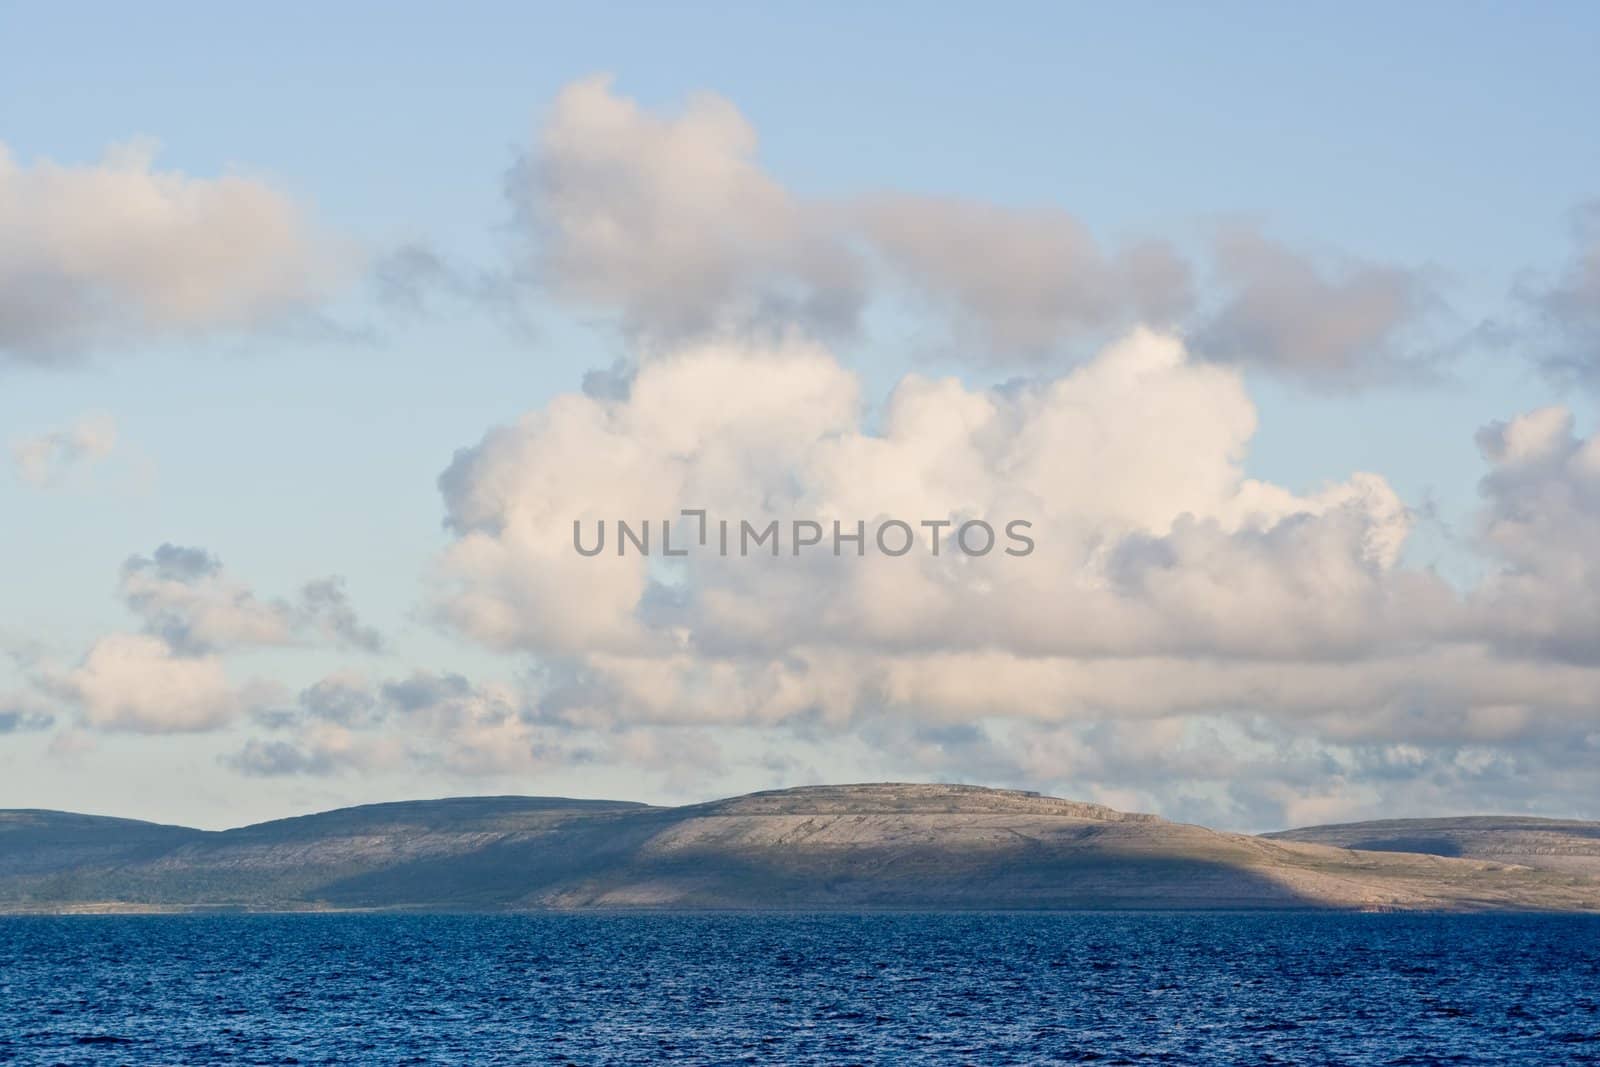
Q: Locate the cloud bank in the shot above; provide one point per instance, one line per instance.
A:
(669, 223)
(1269, 631)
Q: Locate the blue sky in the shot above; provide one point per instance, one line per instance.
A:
(1450, 140)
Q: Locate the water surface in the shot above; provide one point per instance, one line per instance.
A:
(834, 989)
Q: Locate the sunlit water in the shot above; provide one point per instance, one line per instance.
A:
(984, 989)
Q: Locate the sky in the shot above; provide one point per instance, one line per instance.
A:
(320, 328)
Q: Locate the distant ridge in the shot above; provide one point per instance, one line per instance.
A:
(1548, 844)
(845, 847)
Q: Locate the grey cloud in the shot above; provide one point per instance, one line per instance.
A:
(22, 719)
(423, 690)
(1285, 311)
(611, 384)
(184, 596)
(416, 280)
(1023, 282)
(275, 717)
(177, 563)
(444, 722)
(409, 276)
(966, 752)
(277, 759)
(345, 701)
(1541, 523)
(355, 703)
(1256, 773)
(326, 604)
(45, 319)
(1566, 308)
(1158, 280)
(668, 222)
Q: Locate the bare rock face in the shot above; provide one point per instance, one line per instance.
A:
(896, 798)
(1547, 844)
(848, 847)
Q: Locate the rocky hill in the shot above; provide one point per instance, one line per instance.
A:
(883, 846)
(1548, 844)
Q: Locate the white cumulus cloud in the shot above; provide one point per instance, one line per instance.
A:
(1151, 541)
(136, 683)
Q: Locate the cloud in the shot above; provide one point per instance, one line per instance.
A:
(415, 279)
(1154, 540)
(509, 497)
(1566, 308)
(407, 277)
(136, 683)
(325, 607)
(1260, 636)
(342, 699)
(1022, 283)
(436, 720)
(185, 597)
(1541, 523)
(45, 461)
(1153, 543)
(1283, 310)
(172, 678)
(475, 730)
(120, 252)
(670, 221)
(325, 752)
(443, 723)
(1258, 772)
(20, 712)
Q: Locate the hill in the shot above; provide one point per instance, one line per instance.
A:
(1547, 844)
(882, 846)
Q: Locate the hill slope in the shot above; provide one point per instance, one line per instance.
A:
(1548, 844)
(827, 847)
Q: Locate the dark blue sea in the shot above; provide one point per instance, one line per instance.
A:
(823, 989)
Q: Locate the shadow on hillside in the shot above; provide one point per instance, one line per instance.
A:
(1427, 846)
(613, 874)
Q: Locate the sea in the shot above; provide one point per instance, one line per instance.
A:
(989, 989)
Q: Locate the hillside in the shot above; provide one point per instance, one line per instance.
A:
(1548, 844)
(819, 848)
